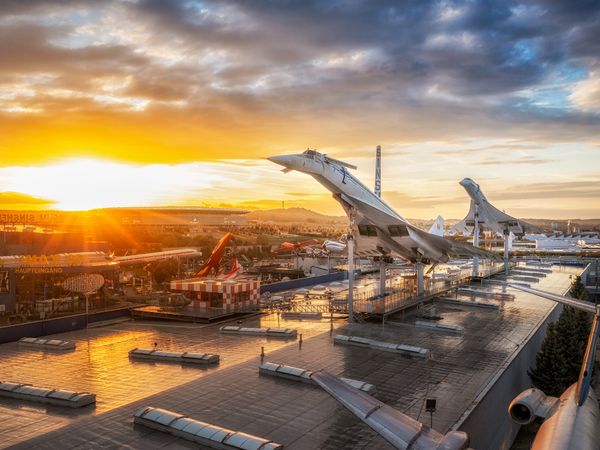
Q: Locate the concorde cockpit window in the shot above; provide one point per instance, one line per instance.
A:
(310, 153)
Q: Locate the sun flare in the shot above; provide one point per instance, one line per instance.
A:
(81, 184)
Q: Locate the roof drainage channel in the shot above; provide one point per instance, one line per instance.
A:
(403, 349)
(200, 432)
(445, 327)
(523, 278)
(287, 333)
(178, 357)
(305, 376)
(47, 344)
(488, 294)
(463, 302)
(528, 273)
(503, 283)
(533, 269)
(300, 315)
(56, 397)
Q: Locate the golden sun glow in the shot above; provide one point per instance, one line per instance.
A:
(81, 184)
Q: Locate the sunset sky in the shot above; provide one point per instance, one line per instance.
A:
(132, 103)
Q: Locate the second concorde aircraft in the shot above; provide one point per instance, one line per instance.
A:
(378, 229)
(487, 215)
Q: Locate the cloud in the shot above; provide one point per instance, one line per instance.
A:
(402, 200)
(425, 71)
(522, 160)
(588, 189)
(586, 93)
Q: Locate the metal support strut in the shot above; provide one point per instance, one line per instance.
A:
(506, 249)
(350, 245)
(420, 282)
(382, 277)
(476, 242)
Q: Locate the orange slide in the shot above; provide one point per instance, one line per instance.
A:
(212, 265)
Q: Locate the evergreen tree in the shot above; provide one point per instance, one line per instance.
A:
(571, 334)
(578, 289)
(559, 361)
(549, 371)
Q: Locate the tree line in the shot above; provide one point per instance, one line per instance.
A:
(558, 362)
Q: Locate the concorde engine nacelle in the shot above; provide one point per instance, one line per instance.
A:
(530, 404)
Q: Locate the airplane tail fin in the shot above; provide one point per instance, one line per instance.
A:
(438, 227)
(213, 263)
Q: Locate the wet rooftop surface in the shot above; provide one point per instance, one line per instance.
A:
(233, 395)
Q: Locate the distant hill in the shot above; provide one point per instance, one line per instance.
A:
(297, 215)
(303, 215)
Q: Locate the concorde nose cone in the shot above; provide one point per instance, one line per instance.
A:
(291, 162)
(282, 160)
(465, 182)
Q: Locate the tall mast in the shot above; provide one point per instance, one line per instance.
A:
(378, 171)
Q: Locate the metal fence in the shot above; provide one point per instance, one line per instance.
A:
(407, 296)
(401, 293)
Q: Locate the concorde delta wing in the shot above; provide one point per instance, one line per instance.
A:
(377, 232)
(449, 248)
(372, 239)
(465, 226)
(400, 430)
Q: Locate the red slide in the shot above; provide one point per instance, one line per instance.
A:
(213, 263)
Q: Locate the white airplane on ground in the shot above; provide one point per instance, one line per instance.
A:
(438, 227)
(487, 215)
(157, 256)
(93, 258)
(573, 420)
(334, 246)
(378, 229)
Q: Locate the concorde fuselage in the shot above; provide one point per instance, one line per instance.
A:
(474, 191)
(334, 178)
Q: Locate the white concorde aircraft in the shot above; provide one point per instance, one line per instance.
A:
(377, 228)
(488, 216)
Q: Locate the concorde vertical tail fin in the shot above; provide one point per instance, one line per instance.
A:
(438, 227)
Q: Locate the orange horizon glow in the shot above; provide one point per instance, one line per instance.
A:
(125, 103)
(81, 184)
